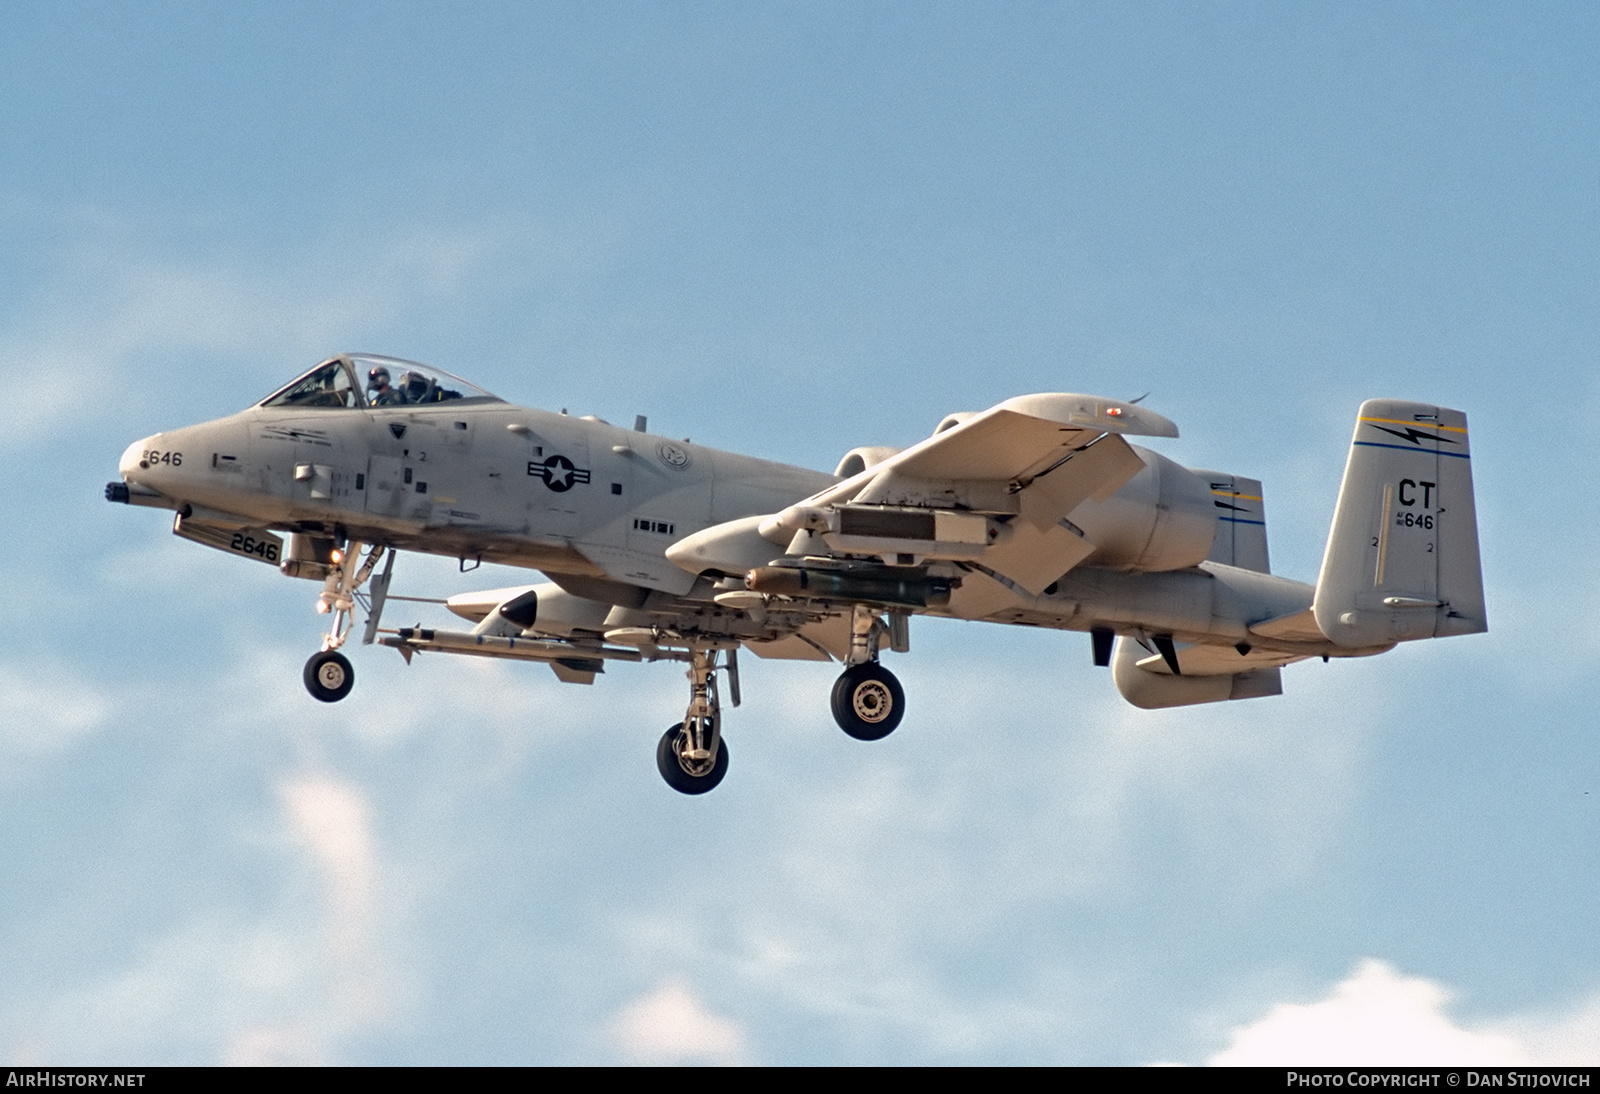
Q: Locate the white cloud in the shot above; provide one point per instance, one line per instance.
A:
(332, 820)
(46, 707)
(290, 982)
(290, 1045)
(671, 1025)
(1559, 1038)
(1379, 1017)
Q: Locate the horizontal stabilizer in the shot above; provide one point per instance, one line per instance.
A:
(1299, 627)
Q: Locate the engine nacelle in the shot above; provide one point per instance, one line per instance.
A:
(1155, 690)
(858, 460)
(1164, 518)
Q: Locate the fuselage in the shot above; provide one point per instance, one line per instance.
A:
(482, 480)
(477, 478)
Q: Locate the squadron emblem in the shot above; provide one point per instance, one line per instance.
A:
(673, 456)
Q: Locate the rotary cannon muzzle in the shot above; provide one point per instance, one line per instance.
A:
(873, 587)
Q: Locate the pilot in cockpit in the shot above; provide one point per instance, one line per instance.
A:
(379, 393)
(414, 387)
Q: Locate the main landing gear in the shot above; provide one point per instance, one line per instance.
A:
(868, 702)
(692, 756)
(329, 675)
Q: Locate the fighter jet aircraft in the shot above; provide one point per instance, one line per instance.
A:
(1036, 511)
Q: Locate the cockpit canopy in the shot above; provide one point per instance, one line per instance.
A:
(355, 380)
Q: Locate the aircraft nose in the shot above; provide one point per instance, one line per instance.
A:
(128, 466)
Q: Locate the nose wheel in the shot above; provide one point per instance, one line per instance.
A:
(868, 701)
(329, 676)
(684, 761)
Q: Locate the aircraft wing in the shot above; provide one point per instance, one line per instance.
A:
(824, 640)
(993, 488)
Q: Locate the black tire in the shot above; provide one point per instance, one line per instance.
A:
(329, 677)
(672, 770)
(868, 702)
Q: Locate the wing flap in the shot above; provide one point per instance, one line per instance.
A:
(1095, 471)
(1033, 557)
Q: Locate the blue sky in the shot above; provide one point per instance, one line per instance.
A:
(789, 230)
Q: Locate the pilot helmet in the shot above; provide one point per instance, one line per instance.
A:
(378, 377)
(414, 385)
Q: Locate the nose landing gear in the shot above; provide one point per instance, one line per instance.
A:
(692, 756)
(329, 675)
(684, 761)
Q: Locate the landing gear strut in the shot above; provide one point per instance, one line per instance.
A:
(328, 674)
(868, 702)
(692, 756)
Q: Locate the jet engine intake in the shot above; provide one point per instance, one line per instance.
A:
(858, 460)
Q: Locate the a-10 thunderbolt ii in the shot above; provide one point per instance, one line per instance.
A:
(1036, 511)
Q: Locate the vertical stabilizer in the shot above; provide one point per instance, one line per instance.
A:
(1402, 558)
